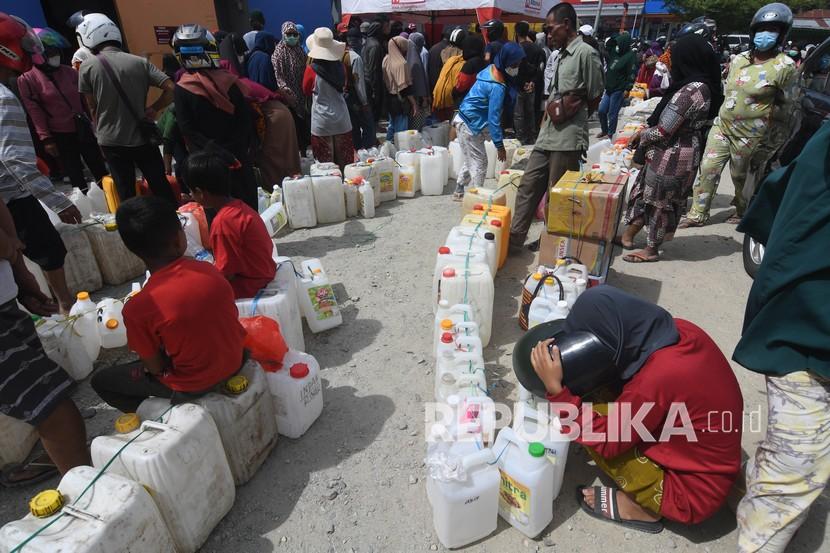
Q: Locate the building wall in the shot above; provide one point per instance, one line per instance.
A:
(311, 13)
(29, 10)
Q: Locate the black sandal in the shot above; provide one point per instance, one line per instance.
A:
(609, 512)
(41, 466)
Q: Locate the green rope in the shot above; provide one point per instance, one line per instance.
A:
(40, 530)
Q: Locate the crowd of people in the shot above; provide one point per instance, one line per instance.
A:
(237, 111)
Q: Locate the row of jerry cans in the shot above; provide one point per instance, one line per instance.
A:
(494, 166)
(459, 353)
(518, 477)
(549, 293)
(293, 294)
(425, 170)
(171, 470)
(325, 197)
(467, 263)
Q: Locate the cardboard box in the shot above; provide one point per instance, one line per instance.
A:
(589, 210)
(594, 254)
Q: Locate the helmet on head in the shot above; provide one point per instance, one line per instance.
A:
(457, 37)
(776, 13)
(51, 38)
(195, 47)
(19, 45)
(494, 28)
(710, 23)
(95, 30)
(695, 28)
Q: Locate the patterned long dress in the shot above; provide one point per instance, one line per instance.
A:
(673, 146)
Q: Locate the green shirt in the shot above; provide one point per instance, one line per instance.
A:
(758, 95)
(579, 67)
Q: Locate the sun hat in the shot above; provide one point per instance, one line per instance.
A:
(322, 46)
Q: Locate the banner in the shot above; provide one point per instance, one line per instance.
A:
(532, 8)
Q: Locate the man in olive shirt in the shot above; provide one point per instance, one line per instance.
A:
(559, 147)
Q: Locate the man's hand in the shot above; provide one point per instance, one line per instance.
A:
(37, 303)
(52, 149)
(70, 215)
(10, 247)
(150, 113)
(529, 87)
(548, 366)
(502, 154)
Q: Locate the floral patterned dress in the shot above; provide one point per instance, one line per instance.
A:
(673, 146)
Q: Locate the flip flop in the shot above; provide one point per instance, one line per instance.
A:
(733, 220)
(689, 223)
(640, 257)
(42, 469)
(608, 511)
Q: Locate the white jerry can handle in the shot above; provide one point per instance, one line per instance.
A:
(468, 357)
(485, 456)
(471, 325)
(155, 425)
(462, 308)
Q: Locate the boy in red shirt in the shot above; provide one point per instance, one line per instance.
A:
(183, 324)
(238, 237)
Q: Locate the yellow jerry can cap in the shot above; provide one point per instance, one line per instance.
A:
(46, 503)
(236, 384)
(537, 276)
(127, 423)
(110, 226)
(446, 324)
(83, 296)
(473, 190)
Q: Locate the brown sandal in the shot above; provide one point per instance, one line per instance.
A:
(640, 257)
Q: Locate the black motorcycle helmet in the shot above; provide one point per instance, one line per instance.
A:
(494, 29)
(776, 13)
(695, 28)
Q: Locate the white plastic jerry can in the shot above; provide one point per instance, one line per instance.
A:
(444, 154)
(85, 323)
(275, 218)
(458, 313)
(297, 392)
(64, 346)
(544, 309)
(317, 300)
(328, 199)
(492, 157)
(432, 173)
(407, 140)
(324, 168)
(527, 482)
(97, 199)
(352, 196)
(464, 508)
(465, 238)
(80, 200)
(533, 425)
(448, 256)
(411, 159)
(471, 284)
(111, 329)
(387, 175)
(406, 181)
(115, 514)
(180, 460)
(17, 439)
(299, 202)
(465, 377)
(279, 302)
(244, 415)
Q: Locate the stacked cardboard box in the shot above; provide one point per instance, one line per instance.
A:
(583, 215)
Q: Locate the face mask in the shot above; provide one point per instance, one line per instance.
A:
(54, 61)
(241, 58)
(824, 63)
(792, 53)
(292, 40)
(765, 40)
(512, 71)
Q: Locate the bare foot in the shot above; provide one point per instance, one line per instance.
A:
(628, 508)
(627, 238)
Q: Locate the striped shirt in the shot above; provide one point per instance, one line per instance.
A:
(19, 175)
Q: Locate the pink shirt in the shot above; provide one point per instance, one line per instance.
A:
(46, 107)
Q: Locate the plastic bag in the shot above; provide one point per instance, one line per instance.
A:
(264, 341)
(197, 217)
(388, 149)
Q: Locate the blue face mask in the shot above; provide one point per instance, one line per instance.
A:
(824, 62)
(765, 40)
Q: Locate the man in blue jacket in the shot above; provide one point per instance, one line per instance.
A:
(482, 108)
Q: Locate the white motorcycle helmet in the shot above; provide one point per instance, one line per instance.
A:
(96, 29)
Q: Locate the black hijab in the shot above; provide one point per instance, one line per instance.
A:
(232, 46)
(332, 72)
(692, 61)
(631, 327)
(473, 54)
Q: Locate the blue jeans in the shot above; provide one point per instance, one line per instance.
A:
(397, 123)
(609, 109)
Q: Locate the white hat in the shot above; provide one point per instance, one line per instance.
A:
(322, 46)
(586, 30)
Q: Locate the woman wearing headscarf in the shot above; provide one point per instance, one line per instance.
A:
(672, 145)
(259, 67)
(473, 53)
(444, 101)
(397, 76)
(289, 61)
(325, 82)
(482, 108)
(212, 112)
(278, 155)
(671, 440)
(49, 92)
(420, 88)
(420, 46)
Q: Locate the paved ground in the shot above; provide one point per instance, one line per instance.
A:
(368, 446)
